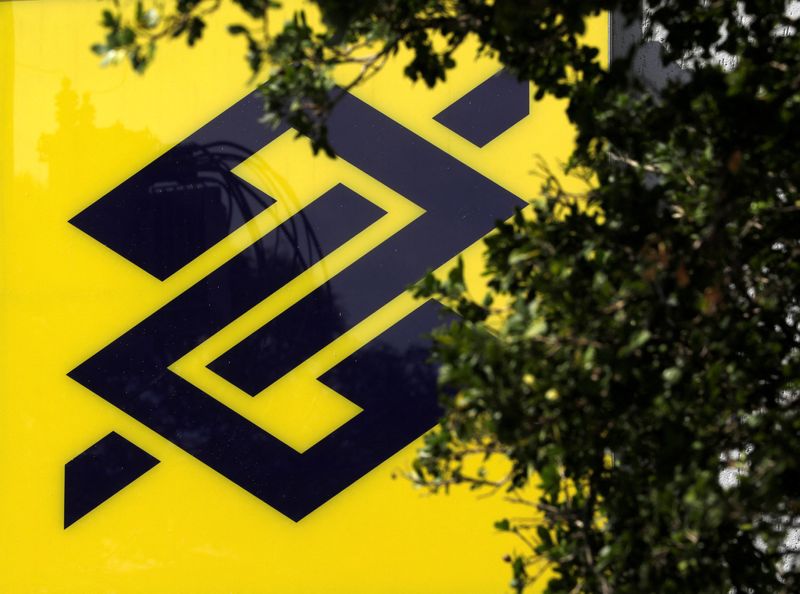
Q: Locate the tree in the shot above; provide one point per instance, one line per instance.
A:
(637, 355)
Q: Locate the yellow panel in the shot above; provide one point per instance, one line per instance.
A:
(71, 132)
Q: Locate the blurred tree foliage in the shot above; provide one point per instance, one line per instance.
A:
(637, 355)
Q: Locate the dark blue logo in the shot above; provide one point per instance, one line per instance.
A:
(187, 200)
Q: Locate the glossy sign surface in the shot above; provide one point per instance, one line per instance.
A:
(211, 365)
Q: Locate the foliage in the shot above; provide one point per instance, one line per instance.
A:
(637, 355)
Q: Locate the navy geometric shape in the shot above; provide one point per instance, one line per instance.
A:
(460, 207)
(100, 472)
(489, 109)
(186, 200)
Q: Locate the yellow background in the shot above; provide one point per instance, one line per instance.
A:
(71, 131)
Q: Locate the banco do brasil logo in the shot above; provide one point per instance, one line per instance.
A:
(187, 200)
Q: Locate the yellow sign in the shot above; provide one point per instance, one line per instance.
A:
(211, 368)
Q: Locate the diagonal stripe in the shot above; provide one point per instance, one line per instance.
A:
(101, 472)
(489, 109)
(187, 200)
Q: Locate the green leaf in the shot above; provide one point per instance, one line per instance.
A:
(196, 27)
(672, 375)
(544, 536)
